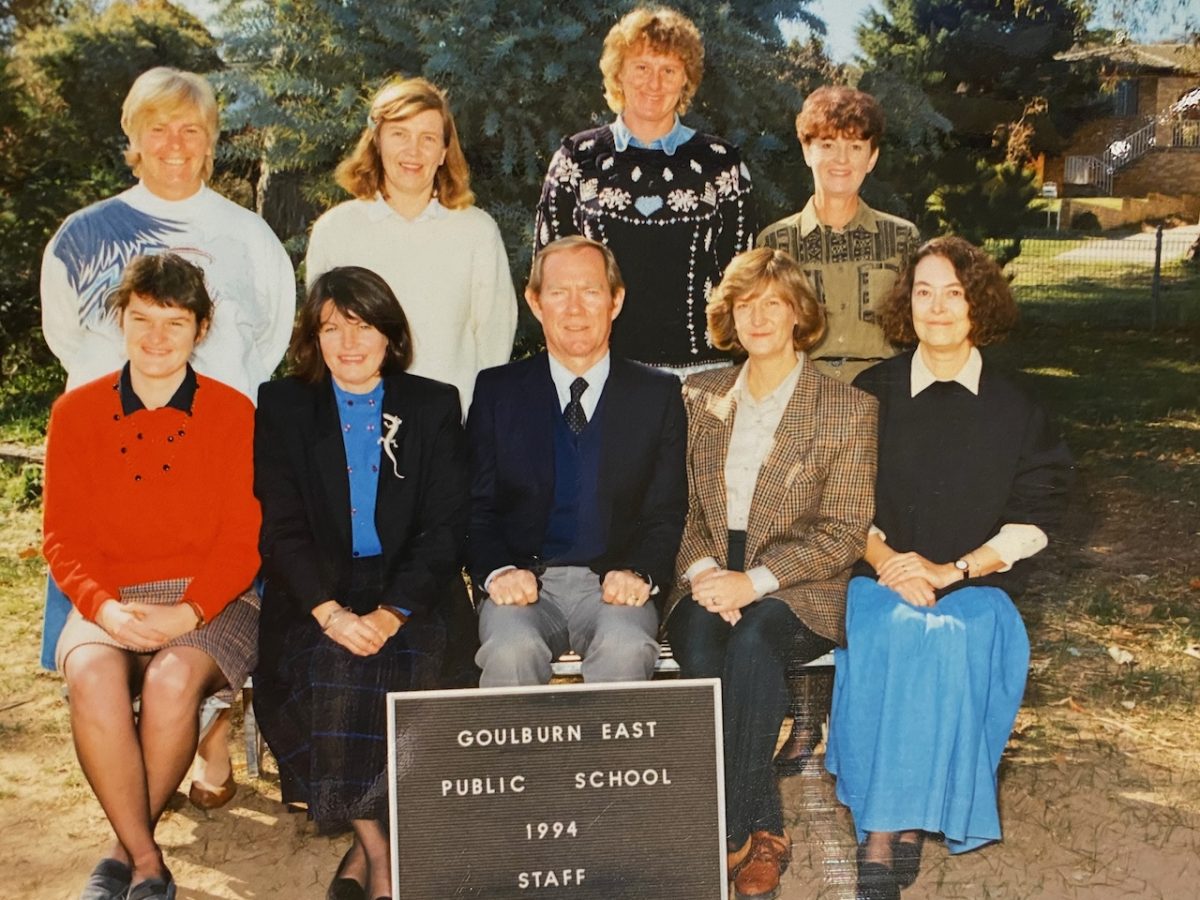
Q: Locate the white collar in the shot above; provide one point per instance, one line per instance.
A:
(968, 376)
(379, 210)
(596, 377)
(782, 393)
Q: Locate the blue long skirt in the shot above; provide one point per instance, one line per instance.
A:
(924, 700)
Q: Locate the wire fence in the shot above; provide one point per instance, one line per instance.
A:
(1144, 281)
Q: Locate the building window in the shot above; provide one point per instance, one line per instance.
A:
(1125, 98)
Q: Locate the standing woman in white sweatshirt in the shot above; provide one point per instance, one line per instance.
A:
(415, 224)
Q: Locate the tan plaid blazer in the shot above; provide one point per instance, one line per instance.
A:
(814, 499)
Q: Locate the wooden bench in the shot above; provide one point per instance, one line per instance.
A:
(569, 665)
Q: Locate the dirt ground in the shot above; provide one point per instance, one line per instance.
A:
(1100, 786)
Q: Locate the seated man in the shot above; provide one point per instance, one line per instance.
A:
(578, 490)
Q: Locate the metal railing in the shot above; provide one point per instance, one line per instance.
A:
(1140, 280)
(1185, 133)
(1089, 170)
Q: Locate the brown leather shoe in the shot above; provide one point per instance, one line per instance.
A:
(735, 858)
(758, 878)
(203, 798)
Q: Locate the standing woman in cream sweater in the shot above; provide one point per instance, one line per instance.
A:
(414, 223)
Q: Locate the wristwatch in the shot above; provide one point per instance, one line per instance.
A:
(963, 566)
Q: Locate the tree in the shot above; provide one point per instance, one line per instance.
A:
(520, 76)
(997, 204)
(981, 81)
(61, 146)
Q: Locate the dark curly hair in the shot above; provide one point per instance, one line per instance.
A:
(990, 303)
(357, 293)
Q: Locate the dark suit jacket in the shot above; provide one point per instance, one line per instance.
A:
(642, 486)
(300, 479)
(813, 500)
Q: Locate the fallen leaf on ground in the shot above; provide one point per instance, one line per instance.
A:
(1192, 650)
(1141, 610)
(1120, 656)
(1129, 704)
(28, 553)
(1194, 584)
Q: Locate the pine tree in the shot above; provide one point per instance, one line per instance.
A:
(979, 83)
(520, 75)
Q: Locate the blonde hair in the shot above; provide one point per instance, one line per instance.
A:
(361, 173)
(659, 30)
(166, 91)
(752, 273)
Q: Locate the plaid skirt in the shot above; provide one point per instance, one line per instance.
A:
(231, 638)
(323, 710)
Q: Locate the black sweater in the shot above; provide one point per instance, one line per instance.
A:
(673, 222)
(954, 466)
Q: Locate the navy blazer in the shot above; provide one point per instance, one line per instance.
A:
(300, 479)
(642, 485)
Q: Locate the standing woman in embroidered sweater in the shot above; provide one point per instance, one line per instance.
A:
(157, 564)
(672, 204)
(361, 471)
(413, 222)
(971, 477)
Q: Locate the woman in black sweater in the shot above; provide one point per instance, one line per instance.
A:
(970, 479)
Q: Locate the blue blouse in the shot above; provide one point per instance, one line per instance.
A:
(361, 416)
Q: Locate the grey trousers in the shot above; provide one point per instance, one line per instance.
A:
(518, 643)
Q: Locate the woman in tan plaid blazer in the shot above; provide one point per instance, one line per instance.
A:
(781, 472)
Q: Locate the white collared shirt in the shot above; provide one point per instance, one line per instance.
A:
(596, 377)
(968, 376)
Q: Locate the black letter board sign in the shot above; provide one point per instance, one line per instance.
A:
(592, 792)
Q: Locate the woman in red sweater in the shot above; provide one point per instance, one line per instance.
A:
(151, 530)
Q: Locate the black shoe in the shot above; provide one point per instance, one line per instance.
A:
(906, 860)
(153, 889)
(342, 888)
(790, 762)
(875, 880)
(108, 881)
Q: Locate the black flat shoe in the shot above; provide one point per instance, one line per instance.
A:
(906, 861)
(108, 881)
(790, 762)
(875, 880)
(153, 889)
(342, 888)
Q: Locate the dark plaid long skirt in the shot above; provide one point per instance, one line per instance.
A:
(322, 710)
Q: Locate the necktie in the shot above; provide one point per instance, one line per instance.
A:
(575, 416)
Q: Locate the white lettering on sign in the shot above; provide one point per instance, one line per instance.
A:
(551, 878)
(481, 787)
(527, 734)
(616, 778)
(634, 730)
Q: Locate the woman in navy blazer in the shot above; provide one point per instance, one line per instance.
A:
(360, 469)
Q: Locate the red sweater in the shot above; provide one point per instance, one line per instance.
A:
(154, 495)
